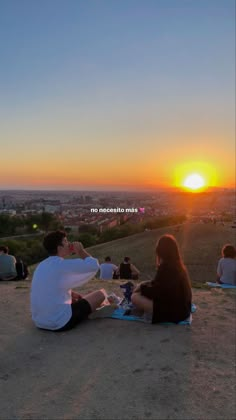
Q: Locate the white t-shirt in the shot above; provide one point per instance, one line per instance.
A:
(7, 266)
(51, 289)
(107, 270)
(227, 270)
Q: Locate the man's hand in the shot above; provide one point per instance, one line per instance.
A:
(75, 297)
(77, 247)
(79, 250)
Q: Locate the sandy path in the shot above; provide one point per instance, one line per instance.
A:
(110, 369)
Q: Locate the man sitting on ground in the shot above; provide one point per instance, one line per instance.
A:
(54, 306)
(107, 269)
(127, 270)
(7, 265)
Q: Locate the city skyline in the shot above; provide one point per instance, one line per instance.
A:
(107, 95)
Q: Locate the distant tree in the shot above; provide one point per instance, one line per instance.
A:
(86, 228)
(49, 222)
(35, 252)
(6, 225)
(30, 250)
(44, 221)
(31, 221)
(87, 239)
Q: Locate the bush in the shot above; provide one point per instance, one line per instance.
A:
(31, 251)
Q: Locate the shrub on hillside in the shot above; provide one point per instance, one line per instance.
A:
(31, 250)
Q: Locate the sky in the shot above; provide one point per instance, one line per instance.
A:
(107, 94)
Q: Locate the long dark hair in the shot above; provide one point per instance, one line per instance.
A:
(167, 250)
(228, 251)
(168, 253)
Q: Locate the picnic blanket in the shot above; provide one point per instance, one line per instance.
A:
(119, 313)
(222, 286)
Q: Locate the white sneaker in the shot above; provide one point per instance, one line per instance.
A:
(104, 312)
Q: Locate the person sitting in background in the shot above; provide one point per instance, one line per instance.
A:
(168, 297)
(53, 304)
(107, 269)
(21, 269)
(226, 269)
(127, 270)
(7, 265)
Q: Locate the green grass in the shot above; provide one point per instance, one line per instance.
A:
(200, 246)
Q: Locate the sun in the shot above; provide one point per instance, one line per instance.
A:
(195, 176)
(194, 182)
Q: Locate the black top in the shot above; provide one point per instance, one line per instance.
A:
(125, 271)
(171, 294)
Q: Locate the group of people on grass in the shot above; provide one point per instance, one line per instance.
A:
(125, 271)
(167, 298)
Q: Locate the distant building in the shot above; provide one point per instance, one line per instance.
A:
(49, 208)
(106, 224)
(8, 212)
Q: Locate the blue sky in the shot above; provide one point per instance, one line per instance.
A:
(129, 79)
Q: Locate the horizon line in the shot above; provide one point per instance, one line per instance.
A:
(116, 190)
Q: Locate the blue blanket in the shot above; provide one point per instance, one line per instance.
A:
(222, 286)
(119, 314)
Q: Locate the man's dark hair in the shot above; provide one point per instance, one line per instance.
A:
(4, 249)
(126, 259)
(108, 259)
(228, 251)
(52, 240)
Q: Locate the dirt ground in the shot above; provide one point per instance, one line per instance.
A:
(112, 369)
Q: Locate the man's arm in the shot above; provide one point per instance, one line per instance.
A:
(117, 270)
(134, 269)
(79, 270)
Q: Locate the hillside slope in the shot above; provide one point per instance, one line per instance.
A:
(200, 245)
(112, 369)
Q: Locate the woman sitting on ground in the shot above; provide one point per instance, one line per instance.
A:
(226, 270)
(168, 297)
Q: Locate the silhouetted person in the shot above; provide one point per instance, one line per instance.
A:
(127, 270)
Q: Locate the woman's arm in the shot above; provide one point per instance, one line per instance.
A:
(137, 288)
(152, 288)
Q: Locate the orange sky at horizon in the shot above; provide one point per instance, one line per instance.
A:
(108, 97)
(55, 156)
(139, 174)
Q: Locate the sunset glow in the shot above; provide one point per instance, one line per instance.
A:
(196, 176)
(194, 182)
(87, 113)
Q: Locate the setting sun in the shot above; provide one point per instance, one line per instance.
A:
(194, 182)
(195, 176)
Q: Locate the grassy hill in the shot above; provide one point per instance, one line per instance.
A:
(200, 245)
